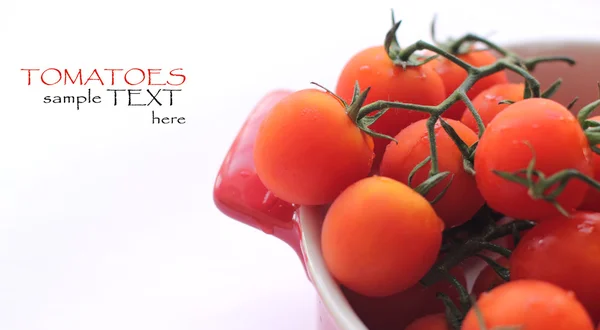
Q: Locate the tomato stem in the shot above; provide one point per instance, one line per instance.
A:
(497, 249)
(463, 294)
(538, 184)
(509, 61)
(502, 272)
(552, 89)
(478, 242)
(572, 103)
(474, 112)
(454, 316)
(530, 64)
(472, 38)
(432, 144)
(586, 111)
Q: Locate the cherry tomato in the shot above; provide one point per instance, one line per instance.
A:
(453, 76)
(564, 251)
(371, 242)
(430, 322)
(373, 68)
(398, 311)
(591, 201)
(487, 103)
(308, 150)
(462, 199)
(559, 144)
(488, 278)
(531, 305)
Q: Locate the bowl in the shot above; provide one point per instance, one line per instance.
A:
(239, 193)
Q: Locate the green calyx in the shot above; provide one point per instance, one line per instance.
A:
(590, 127)
(541, 187)
(353, 110)
(394, 51)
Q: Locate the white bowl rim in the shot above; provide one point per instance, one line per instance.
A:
(329, 291)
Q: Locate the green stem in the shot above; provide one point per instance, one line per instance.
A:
(462, 291)
(432, 145)
(497, 248)
(474, 112)
(474, 245)
(380, 105)
(530, 64)
(533, 83)
(569, 174)
(454, 48)
(422, 45)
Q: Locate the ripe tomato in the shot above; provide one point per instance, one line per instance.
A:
(370, 236)
(488, 278)
(399, 310)
(462, 199)
(297, 142)
(453, 76)
(430, 322)
(564, 251)
(487, 101)
(591, 201)
(503, 147)
(373, 68)
(531, 305)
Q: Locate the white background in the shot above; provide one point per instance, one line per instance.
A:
(107, 221)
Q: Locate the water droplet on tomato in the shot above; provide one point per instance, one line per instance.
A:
(535, 126)
(245, 173)
(364, 68)
(586, 228)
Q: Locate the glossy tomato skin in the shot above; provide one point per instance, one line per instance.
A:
(462, 199)
(564, 251)
(591, 201)
(308, 150)
(487, 103)
(430, 322)
(453, 76)
(533, 305)
(559, 144)
(370, 234)
(373, 68)
(488, 278)
(399, 310)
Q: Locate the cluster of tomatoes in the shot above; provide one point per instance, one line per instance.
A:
(395, 182)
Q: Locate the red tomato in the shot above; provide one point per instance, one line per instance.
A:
(373, 68)
(559, 143)
(430, 322)
(564, 251)
(487, 101)
(531, 305)
(308, 150)
(592, 198)
(453, 76)
(369, 237)
(399, 310)
(462, 199)
(488, 278)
